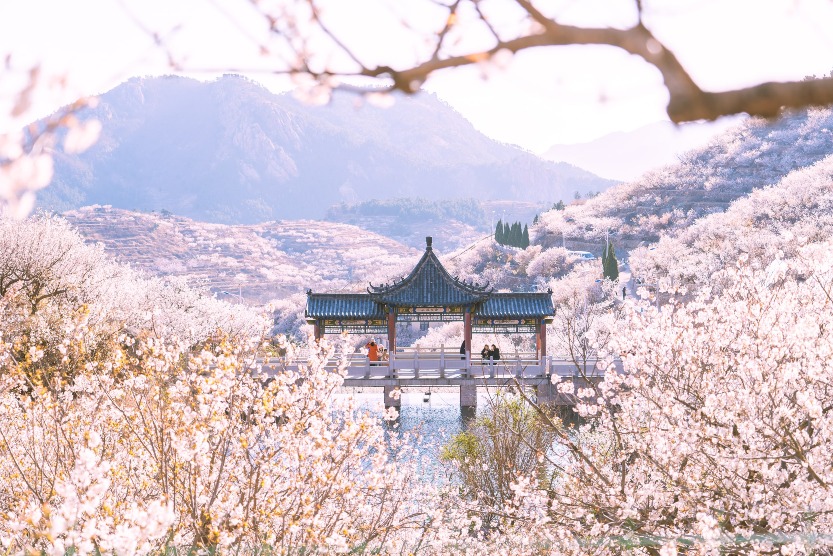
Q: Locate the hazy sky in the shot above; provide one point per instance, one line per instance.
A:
(555, 95)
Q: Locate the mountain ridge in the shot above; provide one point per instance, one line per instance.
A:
(626, 155)
(231, 151)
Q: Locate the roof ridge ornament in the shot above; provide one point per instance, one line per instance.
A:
(430, 281)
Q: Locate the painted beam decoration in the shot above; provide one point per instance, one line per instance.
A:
(519, 325)
(355, 326)
(430, 314)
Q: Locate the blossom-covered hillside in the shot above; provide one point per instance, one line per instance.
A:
(751, 156)
(771, 224)
(258, 262)
(278, 262)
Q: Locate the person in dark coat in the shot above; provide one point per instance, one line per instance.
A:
(494, 353)
(463, 350)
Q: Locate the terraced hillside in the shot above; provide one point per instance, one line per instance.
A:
(258, 262)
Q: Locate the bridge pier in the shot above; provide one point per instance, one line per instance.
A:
(548, 394)
(468, 393)
(390, 402)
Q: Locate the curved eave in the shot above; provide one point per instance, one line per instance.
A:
(342, 306)
(517, 305)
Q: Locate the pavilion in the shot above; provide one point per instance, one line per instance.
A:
(430, 294)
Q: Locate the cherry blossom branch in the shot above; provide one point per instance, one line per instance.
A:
(687, 101)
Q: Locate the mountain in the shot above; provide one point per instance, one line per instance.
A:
(231, 151)
(626, 155)
(665, 201)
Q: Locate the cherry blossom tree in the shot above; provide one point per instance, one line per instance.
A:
(714, 437)
(51, 281)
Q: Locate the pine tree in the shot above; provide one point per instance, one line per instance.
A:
(507, 234)
(525, 237)
(499, 232)
(610, 266)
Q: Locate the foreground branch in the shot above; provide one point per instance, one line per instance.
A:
(687, 101)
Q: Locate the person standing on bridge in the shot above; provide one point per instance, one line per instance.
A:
(484, 353)
(494, 354)
(372, 351)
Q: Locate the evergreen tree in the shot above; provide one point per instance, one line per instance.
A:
(559, 205)
(512, 235)
(499, 232)
(515, 235)
(535, 220)
(610, 266)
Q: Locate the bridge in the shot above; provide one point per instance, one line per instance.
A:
(429, 294)
(442, 366)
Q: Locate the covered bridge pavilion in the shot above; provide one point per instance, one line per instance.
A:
(430, 294)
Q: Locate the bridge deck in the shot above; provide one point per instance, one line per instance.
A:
(438, 367)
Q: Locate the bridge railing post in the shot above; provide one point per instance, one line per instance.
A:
(416, 362)
(391, 362)
(442, 360)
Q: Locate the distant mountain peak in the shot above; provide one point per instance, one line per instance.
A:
(626, 155)
(231, 151)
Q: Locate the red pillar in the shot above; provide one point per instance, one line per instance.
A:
(391, 330)
(542, 339)
(467, 330)
(538, 341)
(318, 330)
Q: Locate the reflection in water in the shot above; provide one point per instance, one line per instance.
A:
(433, 419)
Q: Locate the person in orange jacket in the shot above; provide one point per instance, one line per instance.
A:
(372, 350)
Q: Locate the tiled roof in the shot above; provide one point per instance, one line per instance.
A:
(504, 305)
(429, 284)
(342, 306)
